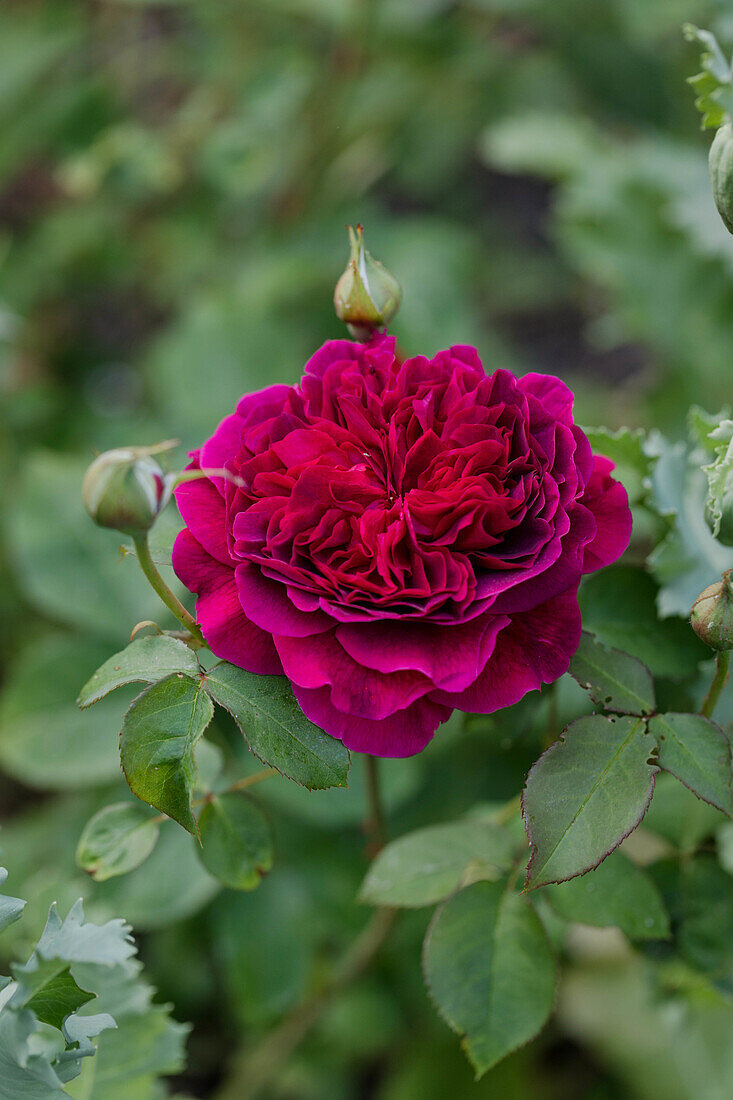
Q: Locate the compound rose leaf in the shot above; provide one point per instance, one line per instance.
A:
(585, 794)
(275, 727)
(698, 753)
(146, 659)
(157, 742)
(614, 680)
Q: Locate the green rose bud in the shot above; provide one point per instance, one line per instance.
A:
(126, 489)
(712, 614)
(366, 296)
(720, 161)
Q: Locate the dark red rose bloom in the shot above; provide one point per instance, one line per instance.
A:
(409, 538)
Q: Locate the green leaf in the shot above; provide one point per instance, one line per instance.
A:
(10, 908)
(688, 558)
(45, 741)
(427, 865)
(69, 569)
(57, 998)
(490, 971)
(585, 794)
(615, 893)
(626, 449)
(719, 473)
(146, 659)
(276, 729)
(117, 840)
(698, 753)
(615, 680)
(619, 606)
(157, 742)
(679, 816)
(236, 841)
(713, 84)
(25, 1074)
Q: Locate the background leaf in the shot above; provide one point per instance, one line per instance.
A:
(425, 866)
(117, 840)
(490, 970)
(614, 893)
(236, 841)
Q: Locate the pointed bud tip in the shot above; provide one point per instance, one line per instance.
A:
(712, 614)
(367, 296)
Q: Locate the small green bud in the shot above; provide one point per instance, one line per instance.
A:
(366, 296)
(720, 161)
(126, 489)
(712, 614)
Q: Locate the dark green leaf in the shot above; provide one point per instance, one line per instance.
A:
(236, 841)
(146, 659)
(679, 816)
(615, 680)
(58, 998)
(117, 840)
(698, 753)
(275, 727)
(425, 866)
(490, 970)
(615, 893)
(619, 606)
(585, 794)
(157, 742)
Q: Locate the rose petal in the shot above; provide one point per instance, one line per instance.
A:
(403, 733)
(608, 501)
(228, 633)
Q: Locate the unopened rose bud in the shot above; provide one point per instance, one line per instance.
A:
(126, 489)
(712, 614)
(720, 161)
(366, 296)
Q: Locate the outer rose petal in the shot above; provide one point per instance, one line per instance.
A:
(266, 603)
(359, 691)
(402, 734)
(554, 395)
(535, 650)
(609, 503)
(203, 511)
(450, 656)
(224, 445)
(228, 633)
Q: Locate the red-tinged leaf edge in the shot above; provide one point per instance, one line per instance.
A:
(527, 888)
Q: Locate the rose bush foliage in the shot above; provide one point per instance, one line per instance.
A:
(400, 538)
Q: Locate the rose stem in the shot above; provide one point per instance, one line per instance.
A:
(721, 675)
(374, 824)
(142, 549)
(252, 1072)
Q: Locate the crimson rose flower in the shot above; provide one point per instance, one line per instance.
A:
(406, 538)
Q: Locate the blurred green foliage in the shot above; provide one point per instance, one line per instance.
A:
(175, 178)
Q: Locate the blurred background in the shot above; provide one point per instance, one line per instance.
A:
(175, 179)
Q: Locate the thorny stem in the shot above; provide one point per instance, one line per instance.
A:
(253, 1071)
(374, 823)
(721, 675)
(142, 549)
(240, 785)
